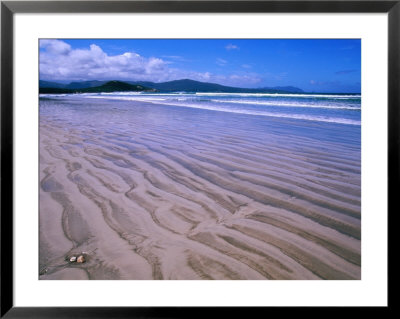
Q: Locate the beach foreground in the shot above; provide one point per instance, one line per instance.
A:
(153, 191)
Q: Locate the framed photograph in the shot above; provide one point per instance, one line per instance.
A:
(163, 155)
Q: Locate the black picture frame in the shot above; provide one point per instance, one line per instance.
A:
(9, 8)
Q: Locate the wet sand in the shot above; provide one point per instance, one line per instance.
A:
(157, 192)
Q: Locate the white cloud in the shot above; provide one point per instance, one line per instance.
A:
(58, 61)
(221, 62)
(174, 57)
(55, 46)
(231, 47)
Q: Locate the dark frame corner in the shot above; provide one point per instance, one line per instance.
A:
(9, 8)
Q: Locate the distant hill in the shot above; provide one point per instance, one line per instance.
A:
(187, 85)
(291, 89)
(115, 86)
(84, 84)
(184, 85)
(110, 86)
(48, 84)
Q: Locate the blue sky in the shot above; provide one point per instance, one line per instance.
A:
(313, 65)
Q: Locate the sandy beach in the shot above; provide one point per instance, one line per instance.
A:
(151, 191)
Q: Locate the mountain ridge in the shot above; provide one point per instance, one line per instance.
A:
(183, 85)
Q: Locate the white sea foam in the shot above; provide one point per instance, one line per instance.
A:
(128, 98)
(133, 93)
(217, 105)
(120, 93)
(249, 102)
(237, 111)
(52, 95)
(270, 114)
(351, 96)
(293, 104)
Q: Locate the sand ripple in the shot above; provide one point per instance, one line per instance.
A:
(168, 204)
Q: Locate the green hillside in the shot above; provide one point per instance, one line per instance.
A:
(111, 86)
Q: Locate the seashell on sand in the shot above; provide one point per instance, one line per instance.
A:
(80, 259)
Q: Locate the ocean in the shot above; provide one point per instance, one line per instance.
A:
(335, 108)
